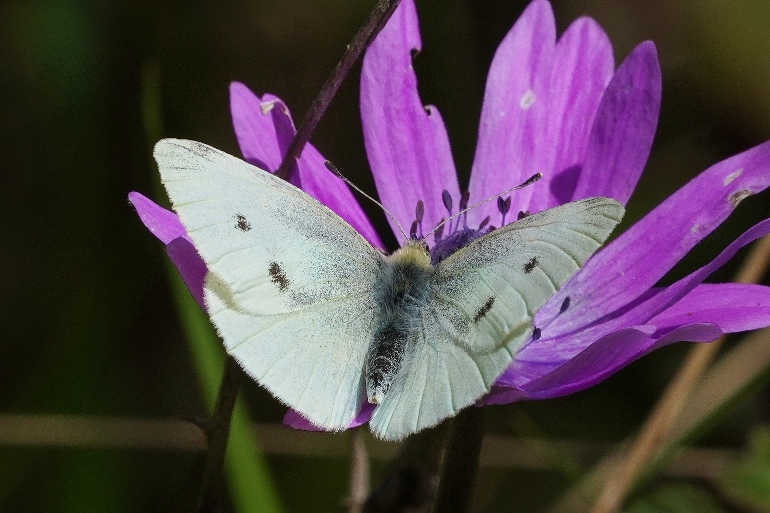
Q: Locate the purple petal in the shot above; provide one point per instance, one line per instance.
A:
(502, 394)
(264, 129)
(406, 143)
(165, 226)
(297, 421)
(190, 266)
(631, 264)
(526, 369)
(597, 362)
(608, 355)
(731, 306)
(583, 66)
(321, 183)
(557, 348)
(621, 137)
(514, 115)
(162, 223)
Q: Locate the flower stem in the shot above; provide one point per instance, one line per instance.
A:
(653, 433)
(461, 462)
(366, 34)
(217, 434)
(409, 484)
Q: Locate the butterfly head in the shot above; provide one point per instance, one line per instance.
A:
(414, 252)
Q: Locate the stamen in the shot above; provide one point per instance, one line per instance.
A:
(439, 231)
(522, 214)
(447, 199)
(503, 205)
(484, 222)
(463, 206)
(536, 334)
(413, 231)
(418, 213)
(565, 305)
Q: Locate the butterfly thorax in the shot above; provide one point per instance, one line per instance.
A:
(401, 290)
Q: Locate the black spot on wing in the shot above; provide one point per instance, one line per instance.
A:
(484, 310)
(241, 223)
(530, 266)
(278, 276)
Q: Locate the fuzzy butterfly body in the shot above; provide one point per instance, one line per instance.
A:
(325, 322)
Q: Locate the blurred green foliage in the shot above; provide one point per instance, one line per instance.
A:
(748, 480)
(676, 498)
(88, 320)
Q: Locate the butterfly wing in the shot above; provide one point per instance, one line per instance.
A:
(481, 307)
(289, 285)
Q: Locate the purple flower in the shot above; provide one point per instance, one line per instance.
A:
(555, 107)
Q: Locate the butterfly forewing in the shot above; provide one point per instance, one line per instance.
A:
(277, 248)
(494, 286)
(290, 283)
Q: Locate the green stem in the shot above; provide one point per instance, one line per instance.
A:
(461, 462)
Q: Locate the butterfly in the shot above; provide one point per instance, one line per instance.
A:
(325, 322)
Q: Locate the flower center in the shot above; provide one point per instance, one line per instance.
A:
(452, 232)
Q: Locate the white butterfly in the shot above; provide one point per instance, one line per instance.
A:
(324, 321)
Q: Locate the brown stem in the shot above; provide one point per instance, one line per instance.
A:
(361, 41)
(461, 462)
(217, 434)
(656, 427)
(410, 481)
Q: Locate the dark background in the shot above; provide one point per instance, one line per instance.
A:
(88, 325)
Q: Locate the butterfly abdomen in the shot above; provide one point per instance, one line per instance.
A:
(401, 291)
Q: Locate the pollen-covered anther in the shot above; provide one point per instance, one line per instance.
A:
(527, 99)
(266, 107)
(738, 196)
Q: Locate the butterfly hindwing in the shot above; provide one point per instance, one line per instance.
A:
(289, 285)
(311, 360)
(480, 311)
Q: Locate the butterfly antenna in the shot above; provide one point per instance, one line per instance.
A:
(336, 172)
(529, 181)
